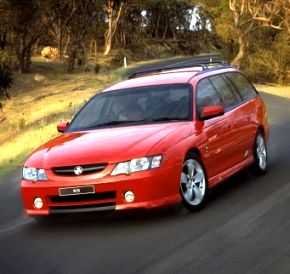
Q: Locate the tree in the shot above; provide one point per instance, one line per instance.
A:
(83, 16)
(168, 18)
(114, 10)
(248, 15)
(28, 23)
(62, 14)
(4, 25)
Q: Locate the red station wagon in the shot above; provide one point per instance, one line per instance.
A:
(158, 138)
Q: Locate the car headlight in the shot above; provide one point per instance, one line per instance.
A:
(139, 164)
(34, 174)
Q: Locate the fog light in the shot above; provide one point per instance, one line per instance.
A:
(38, 203)
(129, 196)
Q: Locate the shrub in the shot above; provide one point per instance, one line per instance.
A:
(260, 67)
(271, 63)
(22, 123)
(282, 57)
(6, 79)
(97, 68)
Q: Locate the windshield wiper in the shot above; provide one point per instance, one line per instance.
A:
(113, 123)
(161, 119)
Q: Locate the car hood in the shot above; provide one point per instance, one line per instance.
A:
(109, 145)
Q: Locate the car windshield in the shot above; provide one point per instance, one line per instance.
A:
(151, 104)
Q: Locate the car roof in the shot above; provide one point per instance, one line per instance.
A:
(177, 76)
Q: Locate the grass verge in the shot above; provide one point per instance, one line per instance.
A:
(30, 117)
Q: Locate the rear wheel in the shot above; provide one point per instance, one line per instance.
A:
(193, 183)
(260, 154)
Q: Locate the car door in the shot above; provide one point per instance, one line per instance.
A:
(249, 108)
(215, 131)
(237, 119)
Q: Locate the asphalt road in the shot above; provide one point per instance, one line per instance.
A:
(245, 227)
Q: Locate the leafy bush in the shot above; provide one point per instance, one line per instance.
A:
(260, 67)
(97, 68)
(282, 56)
(270, 64)
(6, 79)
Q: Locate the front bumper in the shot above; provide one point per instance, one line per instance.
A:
(152, 188)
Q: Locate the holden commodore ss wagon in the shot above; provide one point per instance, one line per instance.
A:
(158, 138)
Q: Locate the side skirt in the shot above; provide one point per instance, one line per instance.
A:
(229, 172)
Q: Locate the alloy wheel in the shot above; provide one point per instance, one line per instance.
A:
(193, 182)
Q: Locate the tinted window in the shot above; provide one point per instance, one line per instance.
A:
(206, 95)
(227, 96)
(233, 88)
(134, 106)
(245, 88)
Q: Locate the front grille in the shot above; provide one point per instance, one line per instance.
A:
(83, 208)
(84, 197)
(86, 169)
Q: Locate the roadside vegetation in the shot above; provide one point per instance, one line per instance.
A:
(38, 102)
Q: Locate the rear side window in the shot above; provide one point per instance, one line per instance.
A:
(228, 98)
(244, 87)
(206, 95)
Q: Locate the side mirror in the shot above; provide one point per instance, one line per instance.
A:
(61, 127)
(211, 112)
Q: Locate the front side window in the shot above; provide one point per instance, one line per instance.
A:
(227, 96)
(149, 104)
(206, 95)
(244, 87)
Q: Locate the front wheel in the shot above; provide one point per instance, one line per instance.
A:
(193, 183)
(260, 154)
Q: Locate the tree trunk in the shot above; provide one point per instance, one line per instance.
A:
(27, 61)
(94, 50)
(84, 55)
(3, 40)
(36, 47)
(165, 31)
(157, 27)
(60, 46)
(112, 24)
(24, 59)
(174, 34)
(72, 58)
(242, 51)
(108, 35)
(66, 45)
(108, 44)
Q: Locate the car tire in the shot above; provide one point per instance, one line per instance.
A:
(260, 154)
(193, 183)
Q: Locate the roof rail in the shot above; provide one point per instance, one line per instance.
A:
(203, 61)
(225, 66)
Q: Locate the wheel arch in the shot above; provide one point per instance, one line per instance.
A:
(195, 151)
(261, 129)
